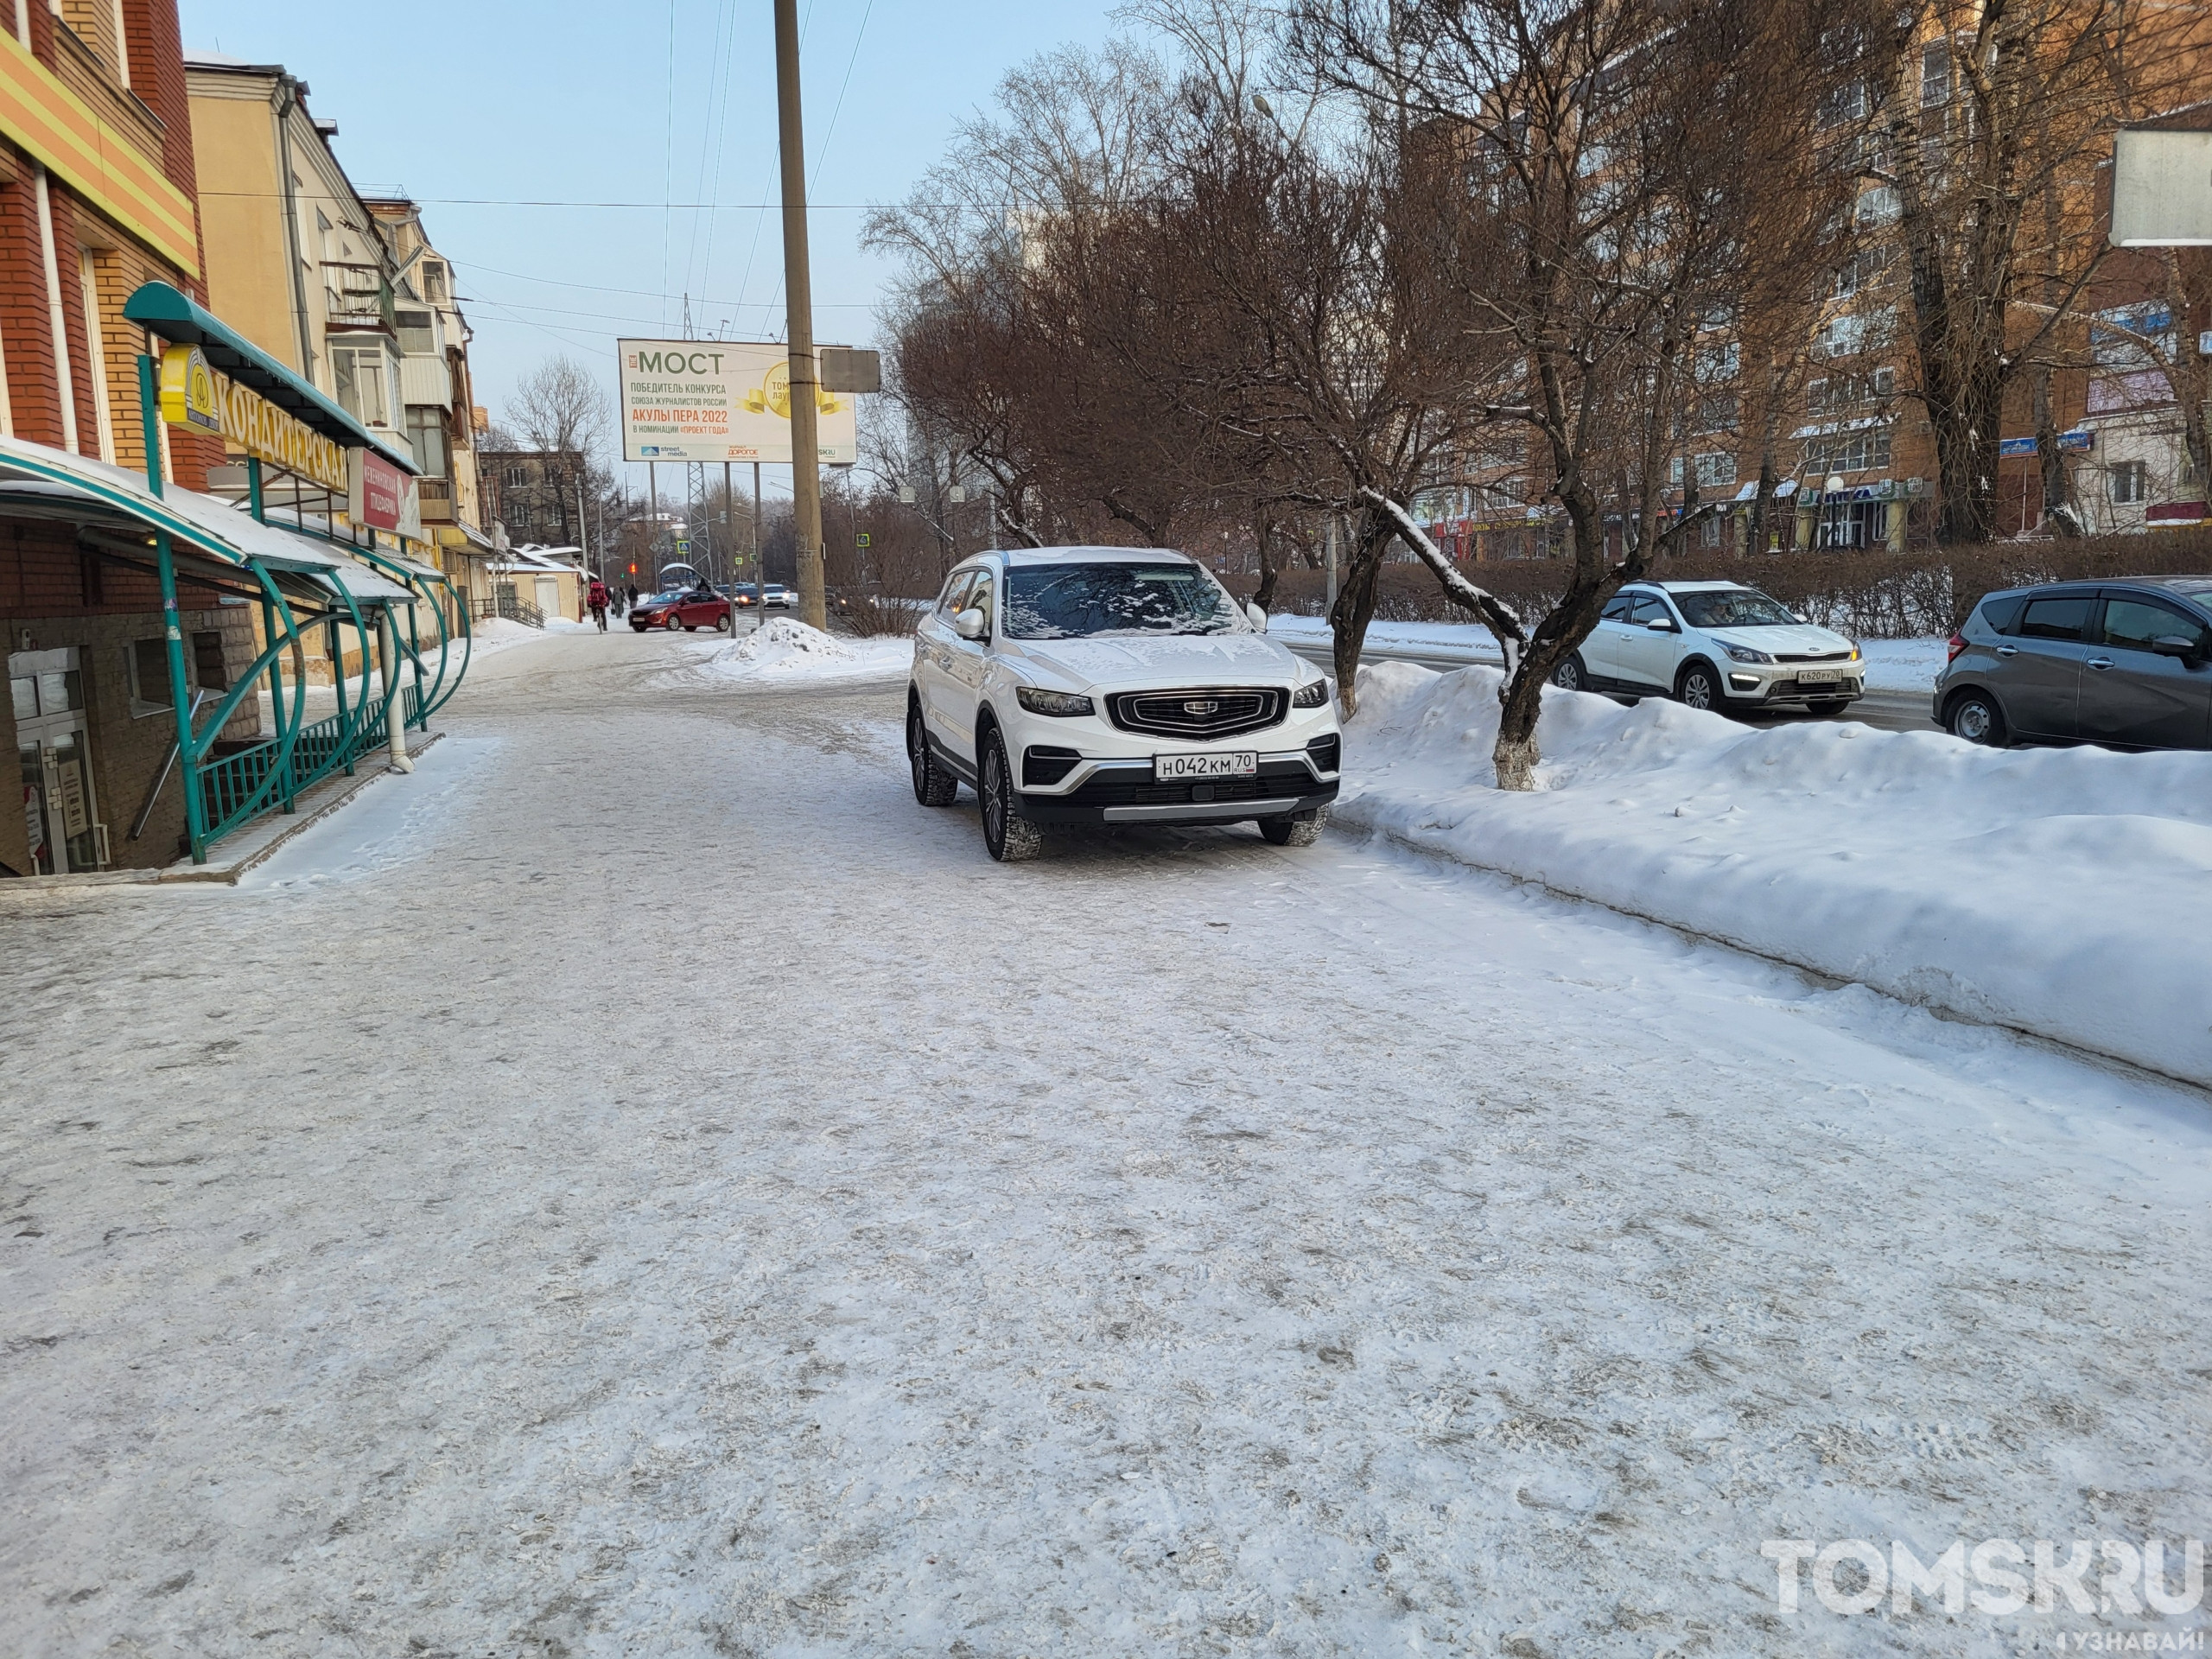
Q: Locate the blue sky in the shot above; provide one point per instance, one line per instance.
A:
(504, 101)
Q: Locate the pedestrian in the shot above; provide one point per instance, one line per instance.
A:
(632, 591)
(598, 601)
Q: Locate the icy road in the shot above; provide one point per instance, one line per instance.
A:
(644, 1187)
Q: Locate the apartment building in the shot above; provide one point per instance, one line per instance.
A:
(443, 421)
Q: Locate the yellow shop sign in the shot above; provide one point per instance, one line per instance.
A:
(196, 397)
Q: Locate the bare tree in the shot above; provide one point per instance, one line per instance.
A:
(560, 411)
(1601, 163)
(1996, 117)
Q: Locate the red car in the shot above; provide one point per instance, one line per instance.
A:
(695, 609)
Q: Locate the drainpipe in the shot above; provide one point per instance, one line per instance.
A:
(395, 707)
(62, 379)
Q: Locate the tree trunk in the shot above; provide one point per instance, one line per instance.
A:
(1965, 460)
(2058, 509)
(1264, 596)
(1355, 606)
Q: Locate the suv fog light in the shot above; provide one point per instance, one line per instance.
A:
(1744, 682)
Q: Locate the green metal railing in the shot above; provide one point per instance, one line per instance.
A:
(224, 791)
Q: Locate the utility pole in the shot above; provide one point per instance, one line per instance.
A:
(798, 301)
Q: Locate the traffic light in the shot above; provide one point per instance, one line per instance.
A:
(634, 567)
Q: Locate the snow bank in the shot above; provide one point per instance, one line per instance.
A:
(785, 651)
(2064, 892)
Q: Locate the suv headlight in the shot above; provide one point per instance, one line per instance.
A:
(1745, 654)
(1311, 696)
(1037, 701)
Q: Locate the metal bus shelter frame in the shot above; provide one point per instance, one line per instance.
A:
(224, 791)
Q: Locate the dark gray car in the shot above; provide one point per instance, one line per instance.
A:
(2125, 664)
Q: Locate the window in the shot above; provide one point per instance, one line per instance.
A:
(1649, 608)
(1877, 206)
(426, 432)
(1934, 73)
(1865, 450)
(1839, 394)
(359, 373)
(150, 678)
(1618, 607)
(2056, 619)
(1844, 103)
(1715, 469)
(418, 333)
(1717, 413)
(2130, 483)
(955, 592)
(517, 475)
(2134, 624)
(1717, 364)
(2136, 332)
(434, 281)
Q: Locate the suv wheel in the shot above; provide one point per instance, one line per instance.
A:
(1700, 687)
(933, 784)
(1568, 675)
(1295, 829)
(1974, 717)
(1008, 836)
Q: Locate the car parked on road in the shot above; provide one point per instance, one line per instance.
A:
(1094, 685)
(1714, 644)
(2124, 664)
(690, 609)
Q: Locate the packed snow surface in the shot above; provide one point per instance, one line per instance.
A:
(642, 1185)
(784, 650)
(2066, 892)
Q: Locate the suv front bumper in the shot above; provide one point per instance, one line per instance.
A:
(1111, 790)
(1777, 683)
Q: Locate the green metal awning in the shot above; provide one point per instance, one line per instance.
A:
(176, 317)
(57, 484)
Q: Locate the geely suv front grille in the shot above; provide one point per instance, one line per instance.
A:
(1200, 714)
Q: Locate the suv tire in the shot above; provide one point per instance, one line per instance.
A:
(1569, 677)
(933, 784)
(1973, 717)
(1295, 829)
(1700, 687)
(1007, 837)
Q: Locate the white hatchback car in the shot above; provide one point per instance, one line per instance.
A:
(1103, 685)
(1713, 644)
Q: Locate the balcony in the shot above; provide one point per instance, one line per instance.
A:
(437, 496)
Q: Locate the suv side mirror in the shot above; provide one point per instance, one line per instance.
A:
(1258, 617)
(971, 624)
(2175, 645)
(1662, 625)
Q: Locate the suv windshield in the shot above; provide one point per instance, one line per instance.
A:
(1732, 607)
(1077, 601)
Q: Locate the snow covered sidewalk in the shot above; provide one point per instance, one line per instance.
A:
(2063, 892)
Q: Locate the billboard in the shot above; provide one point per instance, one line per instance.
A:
(693, 400)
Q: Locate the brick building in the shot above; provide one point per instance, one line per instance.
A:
(139, 612)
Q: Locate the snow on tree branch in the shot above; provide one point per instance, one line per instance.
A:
(1504, 622)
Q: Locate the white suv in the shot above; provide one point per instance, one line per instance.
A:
(1096, 685)
(1713, 644)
